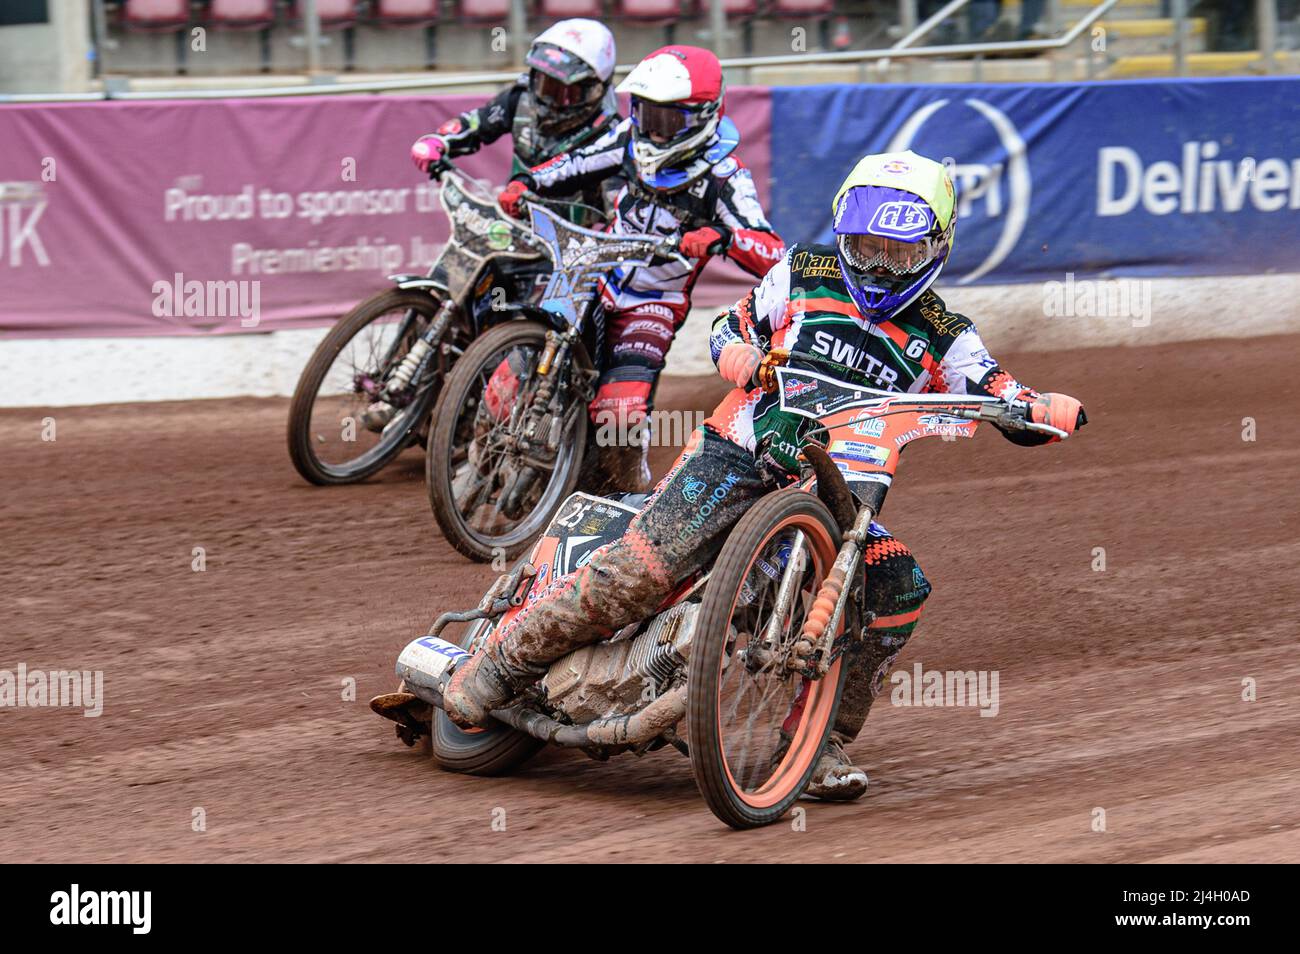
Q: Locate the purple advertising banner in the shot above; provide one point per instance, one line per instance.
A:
(111, 212)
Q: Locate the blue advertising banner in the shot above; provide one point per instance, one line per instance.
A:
(1121, 178)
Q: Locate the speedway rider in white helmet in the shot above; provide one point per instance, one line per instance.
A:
(563, 102)
(681, 179)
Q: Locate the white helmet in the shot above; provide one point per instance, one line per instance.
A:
(570, 66)
(677, 95)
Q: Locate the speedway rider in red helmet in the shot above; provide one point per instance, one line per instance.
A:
(682, 179)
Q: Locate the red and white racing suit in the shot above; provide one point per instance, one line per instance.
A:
(645, 306)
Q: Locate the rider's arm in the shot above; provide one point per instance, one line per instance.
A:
(968, 368)
(475, 128)
(757, 317)
(751, 244)
(588, 166)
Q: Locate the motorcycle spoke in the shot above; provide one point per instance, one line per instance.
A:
(757, 699)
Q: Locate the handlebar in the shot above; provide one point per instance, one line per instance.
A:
(444, 165)
(667, 250)
(531, 197)
(1006, 415)
(1010, 416)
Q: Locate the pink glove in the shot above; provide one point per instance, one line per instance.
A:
(737, 363)
(1058, 410)
(427, 150)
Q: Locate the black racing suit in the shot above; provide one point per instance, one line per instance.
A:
(734, 459)
(514, 111)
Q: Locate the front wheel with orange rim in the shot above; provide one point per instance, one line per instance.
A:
(756, 726)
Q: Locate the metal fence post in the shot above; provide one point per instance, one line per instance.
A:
(907, 15)
(718, 27)
(518, 32)
(1178, 9)
(1266, 25)
(1052, 15)
(311, 30)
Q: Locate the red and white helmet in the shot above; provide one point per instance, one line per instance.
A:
(677, 94)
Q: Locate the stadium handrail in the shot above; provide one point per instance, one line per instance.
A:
(931, 22)
(317, 88)
(943, 13)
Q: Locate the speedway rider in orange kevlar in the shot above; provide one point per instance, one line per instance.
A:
(864, 302)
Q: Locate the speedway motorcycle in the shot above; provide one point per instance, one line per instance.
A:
(748, 653)
(498, 467)
(365, 394)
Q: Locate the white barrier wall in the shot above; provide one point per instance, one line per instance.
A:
(73, 371)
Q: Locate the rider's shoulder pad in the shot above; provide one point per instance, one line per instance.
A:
(726, 168)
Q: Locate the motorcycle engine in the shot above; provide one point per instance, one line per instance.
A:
(624, 673)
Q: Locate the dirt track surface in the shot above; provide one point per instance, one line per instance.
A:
(1120, 689)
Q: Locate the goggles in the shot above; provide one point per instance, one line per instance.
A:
(555, 92)
(876, 253)
(662, 122)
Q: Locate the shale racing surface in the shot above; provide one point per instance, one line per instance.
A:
(1120, 690)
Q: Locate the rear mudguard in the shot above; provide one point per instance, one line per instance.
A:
(407, 282)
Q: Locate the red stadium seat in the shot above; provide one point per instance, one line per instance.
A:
(156, 15)
(484, 11)
(563, 9)
(242, 14)
(650, 11)
(735, 9)
(803, 8)
(404, 12)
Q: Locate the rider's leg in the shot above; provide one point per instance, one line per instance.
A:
(682, 526)
(637, 341)
(896, 588)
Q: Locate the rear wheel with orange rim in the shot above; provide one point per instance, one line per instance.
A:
(756, 726)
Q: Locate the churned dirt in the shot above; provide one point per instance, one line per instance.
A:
(1120, 683)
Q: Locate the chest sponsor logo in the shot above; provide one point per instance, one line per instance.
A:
(859, 359)
(944, 322)
(815, 266)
